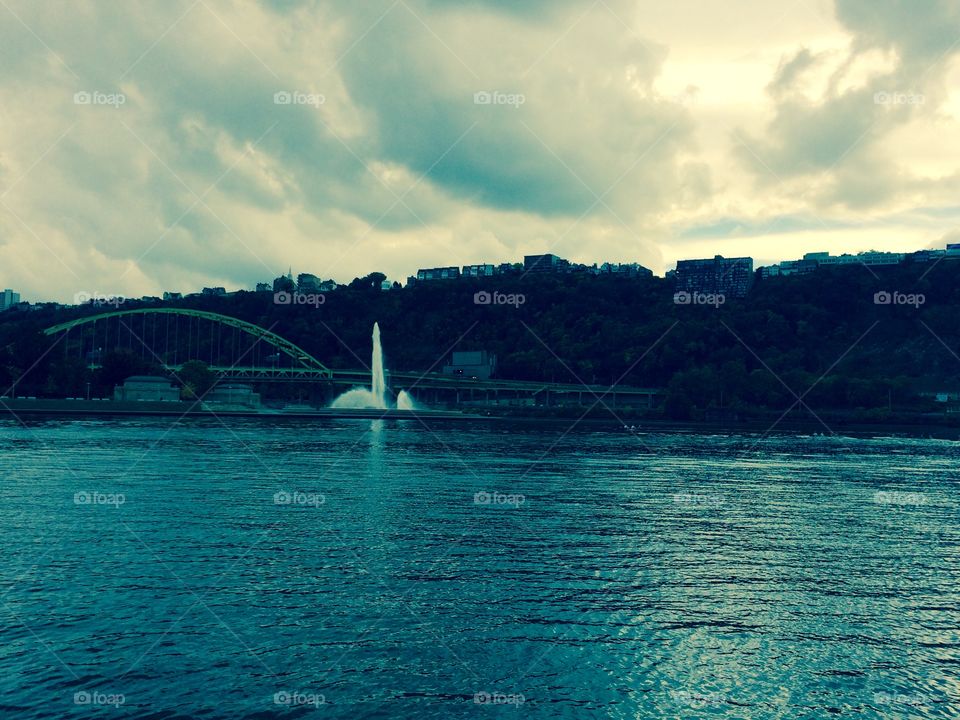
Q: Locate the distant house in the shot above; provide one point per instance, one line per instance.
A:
(146, 388)
(441, 273)
(632, 270)
(214, 291)
(479, 271)
(790, 267)
(478, 364)
(865, 258)
(172, 296)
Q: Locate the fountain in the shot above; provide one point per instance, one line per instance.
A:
(376, 397)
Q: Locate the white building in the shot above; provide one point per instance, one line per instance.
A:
(146, 388)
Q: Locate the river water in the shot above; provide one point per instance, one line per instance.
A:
(239, 568)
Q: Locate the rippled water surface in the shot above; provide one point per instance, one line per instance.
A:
(389, 570)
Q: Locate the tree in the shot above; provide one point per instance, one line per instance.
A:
(373, 281)
(284, 284)
(197, 379)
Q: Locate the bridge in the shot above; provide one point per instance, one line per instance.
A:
(239, 351)
(244, 340)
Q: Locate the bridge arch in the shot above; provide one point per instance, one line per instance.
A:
(308, 364)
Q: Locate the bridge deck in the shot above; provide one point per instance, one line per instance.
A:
(423, 380)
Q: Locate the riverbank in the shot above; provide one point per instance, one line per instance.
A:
(111, 408)
(917, 426)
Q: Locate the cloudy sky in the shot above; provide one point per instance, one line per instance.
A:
(169, 145)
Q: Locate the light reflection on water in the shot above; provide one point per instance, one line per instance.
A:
(681, 576)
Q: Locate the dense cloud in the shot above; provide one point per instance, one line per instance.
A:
(423, 132)
(836, 112)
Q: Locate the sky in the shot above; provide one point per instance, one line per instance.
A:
(151, 146)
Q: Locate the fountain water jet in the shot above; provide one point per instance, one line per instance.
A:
(405, 401)
(376, 397)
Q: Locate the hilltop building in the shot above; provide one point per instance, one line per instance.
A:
(865, 258)
(479, 271)
(792, 267)
(8, 299)
(814, 260)
(632, 270)
(544, 263)
(441, 273)
(725, 276)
